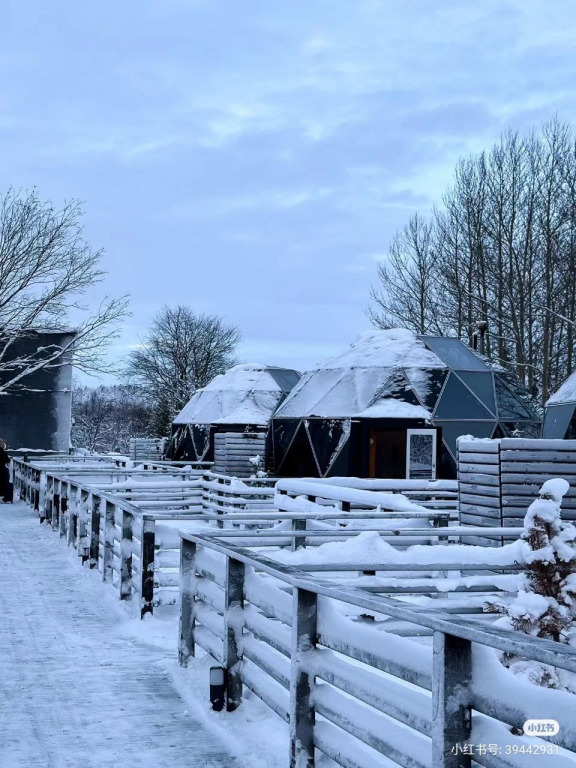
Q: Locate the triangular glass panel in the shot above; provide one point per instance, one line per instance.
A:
(327, 437)
(571, 431)
(482, 385)
(396, 387)
(299, 461)
(283, 431)
(427, 384)
(201, 441)
(512, 403)
(557, 421)
(457, 402)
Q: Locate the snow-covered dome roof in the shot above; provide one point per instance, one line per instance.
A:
(566, 393)
(375, 377)
(246, 394)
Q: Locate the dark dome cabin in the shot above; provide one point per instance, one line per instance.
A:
(393, 405)
(559, 417)
(228, 421)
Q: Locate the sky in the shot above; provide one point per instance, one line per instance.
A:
(253, 158)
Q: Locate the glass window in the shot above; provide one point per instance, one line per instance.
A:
(557, 420)
(482, 384)
(457, 402)
(454, 353)
(510, 406)
(421, 454)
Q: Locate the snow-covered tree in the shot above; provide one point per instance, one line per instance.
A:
(546, 602)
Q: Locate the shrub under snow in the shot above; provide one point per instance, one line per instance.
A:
(546, 604)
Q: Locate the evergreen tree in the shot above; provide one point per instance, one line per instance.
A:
(546, 603)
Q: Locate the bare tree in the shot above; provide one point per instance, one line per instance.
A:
(45, 268)
(501, 249)
(105, 418)
(183, 352)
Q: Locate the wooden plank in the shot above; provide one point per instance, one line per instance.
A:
(482, 490)
(553, 468)
(481, 478)
(566, 456)
(515, 443)
(476, 446)
(481, 501)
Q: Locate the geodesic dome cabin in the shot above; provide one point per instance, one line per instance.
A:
(559, 416)
(242, 400)
(393, 405)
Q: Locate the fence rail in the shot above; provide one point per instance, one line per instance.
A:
(281, 633)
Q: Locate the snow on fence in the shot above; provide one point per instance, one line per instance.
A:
(498, 479)
(282, 634)
(442, 494)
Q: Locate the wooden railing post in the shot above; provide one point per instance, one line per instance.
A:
(64, 506)
(83, 529)
(108, 554)
(302, 714)
(37, 491)
(187, 599)
(147, 565)
(94, 507)
(126, 556)
(451, 711)
(56, 505)
(298, 541)
(233, 620)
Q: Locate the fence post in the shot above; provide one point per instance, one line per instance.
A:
(56, 504)
(298, 541)
(233, 622)
(71, 528)
(451, 715)
(187, 597)
(37, 491)
(94, 531)
(63, 517)
(147, 565)
(126, 556)
(108, 553)
(302, 714)
(46, 511)
(83, 550)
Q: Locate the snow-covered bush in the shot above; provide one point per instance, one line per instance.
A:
(546, 604)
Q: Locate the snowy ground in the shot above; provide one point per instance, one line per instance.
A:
(82, 683)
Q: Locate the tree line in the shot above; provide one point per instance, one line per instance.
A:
(500, 249)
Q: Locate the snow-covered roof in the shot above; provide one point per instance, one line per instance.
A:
(374, 378)
(566, 393)
(246, 394)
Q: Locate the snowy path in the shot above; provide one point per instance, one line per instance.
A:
(73, 690)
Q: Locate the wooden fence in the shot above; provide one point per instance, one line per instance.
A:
(233, 451)
(498, 479)
(281, 633)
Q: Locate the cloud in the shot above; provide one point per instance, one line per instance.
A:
(252, 160)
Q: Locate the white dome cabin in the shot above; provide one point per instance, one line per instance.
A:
(228, 421)
(392, 405)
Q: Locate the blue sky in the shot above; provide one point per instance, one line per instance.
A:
(253, 158)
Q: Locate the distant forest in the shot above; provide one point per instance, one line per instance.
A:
(501, 248)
